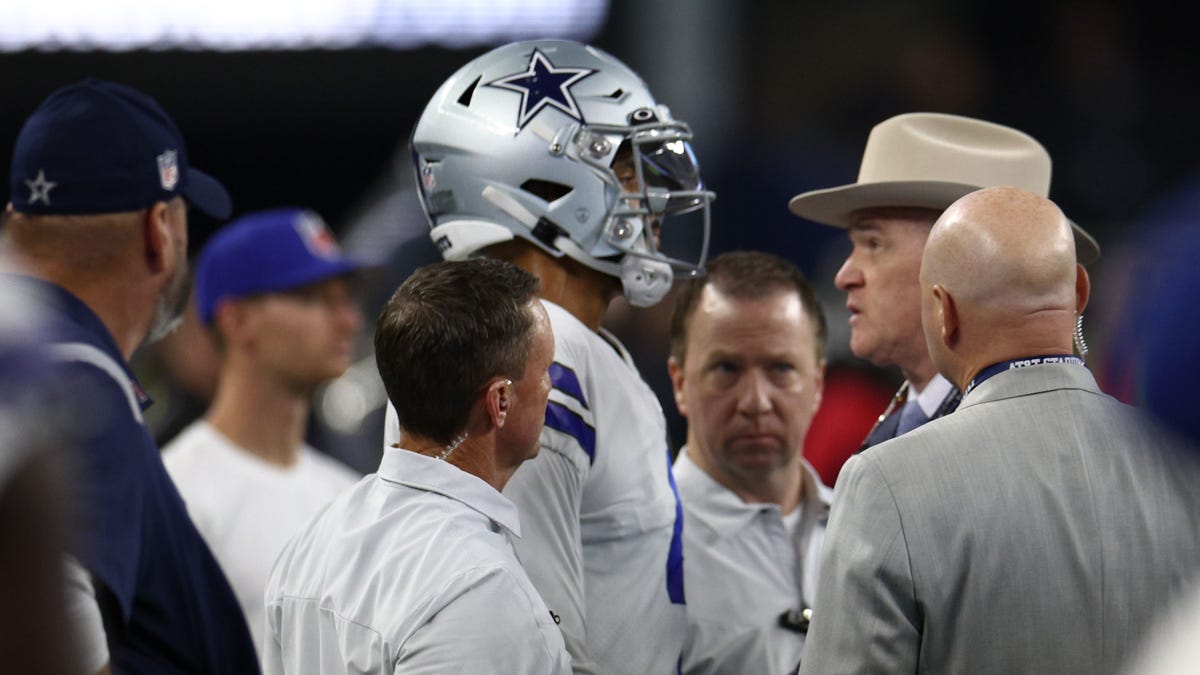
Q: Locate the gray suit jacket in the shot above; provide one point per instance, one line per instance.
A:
(1038, 529)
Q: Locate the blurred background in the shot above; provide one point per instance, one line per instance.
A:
(310, 102)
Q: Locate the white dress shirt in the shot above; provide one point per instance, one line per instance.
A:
(412, 570)
(745, 567)
(933, 395)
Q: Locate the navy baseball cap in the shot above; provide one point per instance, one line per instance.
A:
(267, 252)
(101, 147)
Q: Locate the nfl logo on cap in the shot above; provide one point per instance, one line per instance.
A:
(168, 170)
(316, 236)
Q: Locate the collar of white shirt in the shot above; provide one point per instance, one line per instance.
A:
(420, 472)
(934, 393)
(722, 510)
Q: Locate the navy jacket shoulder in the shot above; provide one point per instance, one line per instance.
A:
(174, 609)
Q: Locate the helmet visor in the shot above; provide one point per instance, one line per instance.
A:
(671, 166)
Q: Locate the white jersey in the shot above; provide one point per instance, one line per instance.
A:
(246, 508)
(602, 525)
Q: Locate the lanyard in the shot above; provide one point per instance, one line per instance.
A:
(1016, 364)
(797, 620)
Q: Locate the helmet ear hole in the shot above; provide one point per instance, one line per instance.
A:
(547, 190)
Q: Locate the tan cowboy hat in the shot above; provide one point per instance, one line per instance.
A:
(929, 160)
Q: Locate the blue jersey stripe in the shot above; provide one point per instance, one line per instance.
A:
(561, 418)
(564, 379)
(675, 553)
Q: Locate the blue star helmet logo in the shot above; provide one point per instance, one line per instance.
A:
(543, 85)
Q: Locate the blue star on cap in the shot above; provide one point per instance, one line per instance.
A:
(39, 188)
(543, 85)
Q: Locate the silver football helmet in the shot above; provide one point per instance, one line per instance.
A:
(562, 145)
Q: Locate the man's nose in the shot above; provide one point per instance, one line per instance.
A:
(848, 275)
(755, 395)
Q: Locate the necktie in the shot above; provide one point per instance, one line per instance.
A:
(911, 417)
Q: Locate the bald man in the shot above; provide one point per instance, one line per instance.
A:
(1037, 529)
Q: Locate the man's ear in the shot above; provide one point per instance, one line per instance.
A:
(675, 370)
(947, 316)
(160, 249)
(230, 319)
(1083, 288)
(498, 399)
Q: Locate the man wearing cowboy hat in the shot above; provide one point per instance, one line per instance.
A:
(1041, 527)
(914, 166)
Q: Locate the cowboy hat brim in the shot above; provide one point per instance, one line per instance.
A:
(835, 206)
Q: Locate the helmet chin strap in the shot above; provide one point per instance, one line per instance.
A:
(510, 206)
(644, 281)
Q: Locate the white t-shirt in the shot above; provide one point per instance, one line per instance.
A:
(412, 570)
(599, 510)
(247, 508)
(746, 565)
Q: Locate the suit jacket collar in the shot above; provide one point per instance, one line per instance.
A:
(1031, 380)
(885, 429)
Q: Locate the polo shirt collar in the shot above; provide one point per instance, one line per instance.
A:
(420, 472)
(723, 511)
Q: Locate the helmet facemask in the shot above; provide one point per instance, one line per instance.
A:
(655, 179)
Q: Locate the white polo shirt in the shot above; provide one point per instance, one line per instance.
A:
(412, 570)
(746, 565)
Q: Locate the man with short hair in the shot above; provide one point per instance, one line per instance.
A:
(100, 188)
(273, 287)
(747, 363)
(413, 569)
(913, 167)
(554, 156)
(1043, 525)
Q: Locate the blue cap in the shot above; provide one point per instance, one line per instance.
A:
(101, 147)
(267, 252)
